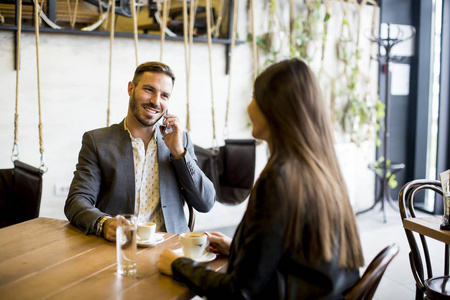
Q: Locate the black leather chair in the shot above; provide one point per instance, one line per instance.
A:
(20, 193)
(433, 287)
(365, 287)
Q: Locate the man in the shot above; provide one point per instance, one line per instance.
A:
(139, 166)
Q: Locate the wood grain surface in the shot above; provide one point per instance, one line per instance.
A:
(51, 259)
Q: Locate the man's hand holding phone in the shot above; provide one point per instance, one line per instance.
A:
(173, 135)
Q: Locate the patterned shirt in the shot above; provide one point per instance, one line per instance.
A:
(146, 173)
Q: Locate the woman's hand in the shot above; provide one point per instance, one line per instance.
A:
(166, 259)
(219, 243)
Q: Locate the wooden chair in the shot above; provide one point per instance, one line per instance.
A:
(433, 287)
(366, 286)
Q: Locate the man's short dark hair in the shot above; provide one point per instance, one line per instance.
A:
(153, 67)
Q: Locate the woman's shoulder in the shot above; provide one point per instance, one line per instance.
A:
(274, 170)
(274, 175)
(270, 186)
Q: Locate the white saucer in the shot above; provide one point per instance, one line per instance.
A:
(155, 240)
(206, 257)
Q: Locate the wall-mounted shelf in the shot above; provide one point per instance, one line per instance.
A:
(52, 14)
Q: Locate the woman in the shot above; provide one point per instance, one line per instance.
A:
(298, 238)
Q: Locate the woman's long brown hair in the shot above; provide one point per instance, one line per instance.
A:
(321, 218)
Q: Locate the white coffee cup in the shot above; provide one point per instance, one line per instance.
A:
(146, 230)
(193, 244)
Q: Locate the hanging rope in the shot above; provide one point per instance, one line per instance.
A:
(193, 12)
(233, 42)
(72, 17)
(208, 31)
(111, 40)
(324, 70)
(162, 28)
(255, 49)
(135, 32)
(100, 7)
(15, 150)
(165, 14)
(105, 24)
(41, 140)
(75, 14)
(188, 30)
(41, 8)
(100, 21)
(47, 20)
(186, 61)
(216, 28)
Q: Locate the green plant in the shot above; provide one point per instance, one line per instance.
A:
(265, 41)
(380, 114)
(381, 165)
(264, 44)
(306, 31)
(362, 115)
(362, 112)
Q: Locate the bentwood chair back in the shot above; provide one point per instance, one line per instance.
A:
(419, 256)
(365, 287)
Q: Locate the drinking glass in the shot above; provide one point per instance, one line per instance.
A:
(126, 244)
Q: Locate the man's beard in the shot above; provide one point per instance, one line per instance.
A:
(135, 109)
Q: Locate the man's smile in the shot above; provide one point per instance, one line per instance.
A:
(151, 110)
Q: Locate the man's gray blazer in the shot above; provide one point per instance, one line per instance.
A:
(104, 181)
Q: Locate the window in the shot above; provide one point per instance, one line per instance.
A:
(434, 99)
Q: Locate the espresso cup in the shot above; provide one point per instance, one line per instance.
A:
(193, 244)
(146, 230)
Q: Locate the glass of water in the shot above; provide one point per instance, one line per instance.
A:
(126, 244)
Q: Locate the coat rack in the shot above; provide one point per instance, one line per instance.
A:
(385, 170)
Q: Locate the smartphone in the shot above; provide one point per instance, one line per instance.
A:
(164, 128)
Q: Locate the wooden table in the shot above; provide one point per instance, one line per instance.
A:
(429, 226)
(51, 259)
